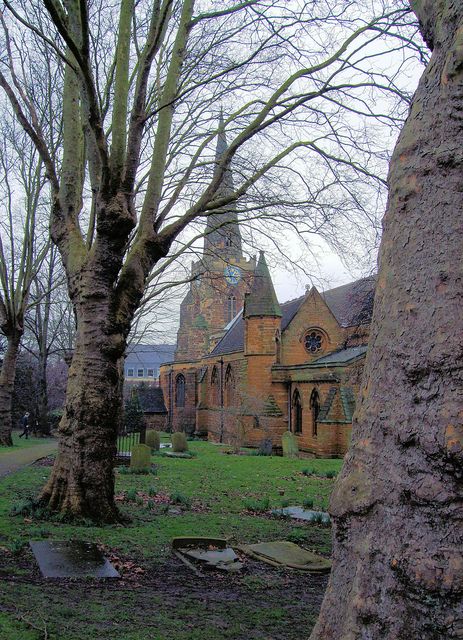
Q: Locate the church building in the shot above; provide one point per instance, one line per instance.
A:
(247, 368)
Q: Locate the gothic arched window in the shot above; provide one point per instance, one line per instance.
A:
(315, 406)
(297, 412)
(231, 308)
(229, 387)
(180, 390)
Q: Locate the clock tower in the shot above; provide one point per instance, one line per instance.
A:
(220, 278)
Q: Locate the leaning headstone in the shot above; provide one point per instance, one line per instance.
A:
(153, 440)
(265, 447)
(141, 457)
(179, 443)
(289, 444)
(71, 559)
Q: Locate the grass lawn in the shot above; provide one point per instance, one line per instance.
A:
(159, 598)
(22, 443)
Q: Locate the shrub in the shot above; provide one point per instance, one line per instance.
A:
(131, 495)
(16, 546)
(53, 419)
(307, 503)
(23, 508)
(181, 499)
(152, 491)
(285, 503)
(331, 474)
(307, 472)
(258, 506)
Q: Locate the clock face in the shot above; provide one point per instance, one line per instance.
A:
(232, 274)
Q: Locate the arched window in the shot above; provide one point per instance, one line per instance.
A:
(215, 386)
(315, 406)
(297, 412)
(229, 387)
(228, 240)
(180, 390)
(231, 308)
(277, 346)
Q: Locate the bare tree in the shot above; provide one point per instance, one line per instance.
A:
(299, 83)
(23, 246)
(396, 507)
(49, 326)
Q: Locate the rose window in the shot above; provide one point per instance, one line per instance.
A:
(313, 341)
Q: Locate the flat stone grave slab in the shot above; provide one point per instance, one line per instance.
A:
(224, 559)
(299, 513)
(71, 559)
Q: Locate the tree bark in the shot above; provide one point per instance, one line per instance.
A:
(7, 376)
(396, 508)
(82, 479)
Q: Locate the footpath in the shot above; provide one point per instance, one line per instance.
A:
(11, 461)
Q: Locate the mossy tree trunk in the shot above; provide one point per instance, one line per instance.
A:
(397, 560)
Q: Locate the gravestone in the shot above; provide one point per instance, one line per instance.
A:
(71, 559)
(265, 447)
(179, 442)
(153, 440)
(289, 444)
(141, 457)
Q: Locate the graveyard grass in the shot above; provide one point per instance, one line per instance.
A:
(158, 597)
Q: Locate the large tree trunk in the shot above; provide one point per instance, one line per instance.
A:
(397, 560)
(82, 480)
(7, 376)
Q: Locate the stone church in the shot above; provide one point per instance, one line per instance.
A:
(248, 368)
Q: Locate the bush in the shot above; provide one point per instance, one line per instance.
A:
(330, 474)
(131, 495)
(181, 499)
(152, 491)
(307, 472)
(54, 418)
(307, 503)
(258, 506)
(153, 440)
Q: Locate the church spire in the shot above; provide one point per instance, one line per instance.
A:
(262, 300)
(223, 235)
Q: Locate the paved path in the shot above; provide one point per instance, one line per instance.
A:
(19, 458)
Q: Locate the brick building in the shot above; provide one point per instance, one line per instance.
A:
(247, 369)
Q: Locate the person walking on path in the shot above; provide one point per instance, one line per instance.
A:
(25, 425)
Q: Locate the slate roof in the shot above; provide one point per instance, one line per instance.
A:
(351, 304)
(149, 355)
(262, 299)
(341, 357)
(151, 400)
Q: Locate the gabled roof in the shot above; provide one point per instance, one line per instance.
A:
(151, 399)
(149, 355)
(351, 304)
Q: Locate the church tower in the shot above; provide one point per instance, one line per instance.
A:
(220, 278)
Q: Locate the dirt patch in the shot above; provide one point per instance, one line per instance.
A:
(168, 599)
